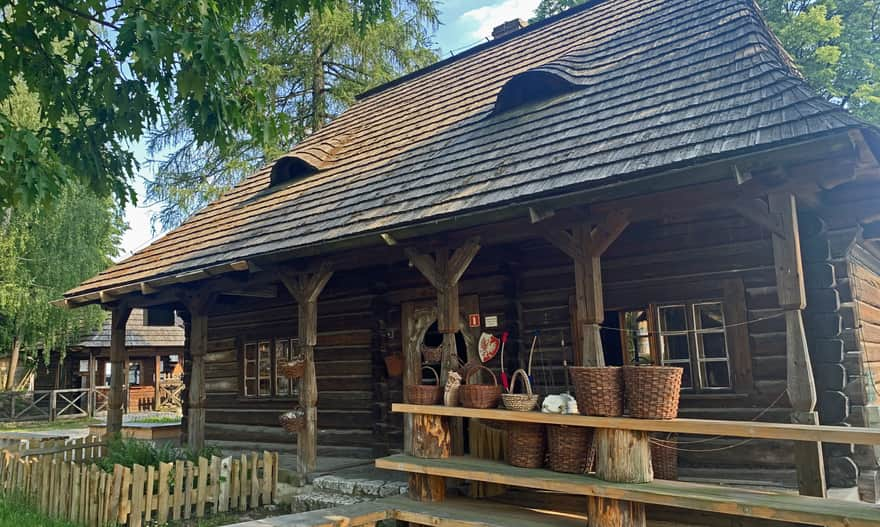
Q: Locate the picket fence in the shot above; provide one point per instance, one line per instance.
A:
(80, 492)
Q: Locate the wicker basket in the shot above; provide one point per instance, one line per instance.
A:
(652, 392)
(568, 448)
(520, 402)
(432, 355)
(425, 394)
(664, 456)
(294, 421)
(599, 391)
(292, 369)
(526, 443)
(479, 395)
(394, 365)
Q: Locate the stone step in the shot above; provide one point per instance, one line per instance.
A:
(359, 487)
(312, 500)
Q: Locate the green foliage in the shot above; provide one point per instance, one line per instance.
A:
(104, 72)
(45, 251)
(130, 452)
(17, 511)
(835, 43)
(305, 75)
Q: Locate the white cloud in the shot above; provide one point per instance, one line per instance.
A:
(485, 19)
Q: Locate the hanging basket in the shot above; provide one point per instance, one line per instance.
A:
(652, 392)
(568, 448)
(425, 394)
(432, 354)
(664, 456)
(479, 395)
(598, 390)
(520, 402)
(293, 421)
(292, 369)
(394, 364)
(526, 444)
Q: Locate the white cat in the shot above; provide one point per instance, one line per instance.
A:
(559, 404)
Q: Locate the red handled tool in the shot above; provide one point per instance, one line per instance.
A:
(504, 380)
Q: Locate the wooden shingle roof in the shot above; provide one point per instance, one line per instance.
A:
(653, 84)
(138, 334)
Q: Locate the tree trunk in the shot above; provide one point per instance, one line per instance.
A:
(13, 363)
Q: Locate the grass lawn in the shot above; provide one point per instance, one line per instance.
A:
(40, 426)
(158, 419)
(15, 512)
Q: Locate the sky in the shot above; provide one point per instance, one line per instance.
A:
(463, 24)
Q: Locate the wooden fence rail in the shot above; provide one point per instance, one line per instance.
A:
(49, 405)
(82, 493)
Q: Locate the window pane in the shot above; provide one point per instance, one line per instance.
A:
(709, 316)
(686, 378)
(672, 318)
(250, 387)
(675, 347)
(717, 375)
(282, 354)
(713, 345)
(635, 337)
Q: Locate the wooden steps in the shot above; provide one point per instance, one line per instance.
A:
(695, 496)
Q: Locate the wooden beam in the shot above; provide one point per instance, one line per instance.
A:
(757, 211)
(197, 306)
(608, 230)
(268, 291)
(118, 375)
(306, 287)
(800, 384)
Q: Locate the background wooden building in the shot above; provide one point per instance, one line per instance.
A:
(628, 181)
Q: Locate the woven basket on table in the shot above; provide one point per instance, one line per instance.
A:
(526, 444)
(292, 369)
(520, 402)
(568, 448)
(652, 392)
(425, 394)
(598, 390)
(293, 421)
(479, 395)
(664, 456)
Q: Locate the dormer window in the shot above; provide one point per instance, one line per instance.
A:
(290, 169)
(530, 87)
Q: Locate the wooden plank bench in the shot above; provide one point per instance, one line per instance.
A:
(695, 496)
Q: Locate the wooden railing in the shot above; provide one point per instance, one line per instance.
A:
(428, 472)
(47, 405)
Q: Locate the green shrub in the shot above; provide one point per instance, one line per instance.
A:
(130, 452)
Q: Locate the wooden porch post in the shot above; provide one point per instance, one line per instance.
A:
(118, 375)
(800, 385)
(585, 245)
(93, 398)
(157, 367)
(305, 289)
(198, 346)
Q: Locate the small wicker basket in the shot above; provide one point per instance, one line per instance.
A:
(652, 392)
(425, 393)
(431, 354)
(598, 390)
(526, 444)
(292, 369)
(568, 448)
(293, 421)
(664, 456)
(520, 402)
(479, 395)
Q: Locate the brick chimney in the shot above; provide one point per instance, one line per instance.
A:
(508, 27)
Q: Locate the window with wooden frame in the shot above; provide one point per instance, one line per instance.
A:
(260, 360)
(693, 336)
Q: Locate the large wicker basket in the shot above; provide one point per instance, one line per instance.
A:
(599, 391)
(526, 443)
(520, 402)
(664, 456)
(425, 394)
(292, 369)
(652, 392)
(432, 354)
(293, 421)
(568, 448)
(479, 395)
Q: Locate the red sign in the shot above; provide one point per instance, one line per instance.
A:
(474, 320)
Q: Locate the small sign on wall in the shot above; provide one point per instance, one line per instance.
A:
(474, 320)
(491, 321)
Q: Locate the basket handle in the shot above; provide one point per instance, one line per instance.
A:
(436, 375)
(478, 368)
(528, 384)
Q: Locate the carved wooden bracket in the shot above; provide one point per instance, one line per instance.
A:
(444, 272)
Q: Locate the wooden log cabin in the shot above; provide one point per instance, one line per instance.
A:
(646, 181)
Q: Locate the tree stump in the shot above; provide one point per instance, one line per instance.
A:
(431, 439)
(622, 456)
